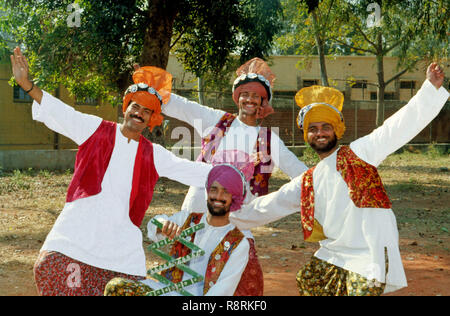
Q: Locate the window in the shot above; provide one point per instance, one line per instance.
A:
(281, 94)
(20, 95)
(309, 83)
(387, 96)
(360, 84)
(407, 84)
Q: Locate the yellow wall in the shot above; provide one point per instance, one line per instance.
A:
(340, 69)
(19, 131)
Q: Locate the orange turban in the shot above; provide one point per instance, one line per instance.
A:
(256, 76)
(320, 104)
(152, 87)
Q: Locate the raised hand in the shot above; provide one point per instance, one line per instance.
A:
(435, 75)
(20, 69)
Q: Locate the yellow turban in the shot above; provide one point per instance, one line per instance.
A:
(320, 104)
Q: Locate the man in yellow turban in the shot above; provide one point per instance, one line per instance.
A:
(321, 117)
(342, 201)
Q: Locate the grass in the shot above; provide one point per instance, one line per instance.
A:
(31, 200)
(417, 183)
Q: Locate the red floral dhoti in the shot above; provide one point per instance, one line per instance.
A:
(58, 275)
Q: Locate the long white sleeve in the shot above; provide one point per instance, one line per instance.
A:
(285, 159)
(269, 208)
(181, 170)
(64, 119)
(198, 116)
(402, 126)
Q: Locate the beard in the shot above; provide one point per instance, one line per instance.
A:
(324, 148)
(254, 107)
(217, 211)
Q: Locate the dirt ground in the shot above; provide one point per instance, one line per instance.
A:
(417, 184)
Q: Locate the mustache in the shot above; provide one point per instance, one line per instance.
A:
(137, 117)
(251, 103)
(215, 200)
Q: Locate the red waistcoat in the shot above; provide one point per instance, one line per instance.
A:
(91, 163)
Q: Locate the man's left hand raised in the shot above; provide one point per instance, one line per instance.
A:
(435, 75)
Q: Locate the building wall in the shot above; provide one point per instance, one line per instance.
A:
(359, 120)
(290, 78)
(359, 110)
(18, 131)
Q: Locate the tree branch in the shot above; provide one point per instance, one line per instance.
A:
(396, 76)
(366, 38)
(353, 47)
(387, 50)
(178, 38)
(328, 14)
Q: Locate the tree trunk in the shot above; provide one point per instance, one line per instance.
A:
(381, 83)
(321, 52)
(158, 36)
(157, 39)
(201, 90)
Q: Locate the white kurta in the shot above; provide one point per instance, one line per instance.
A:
(207, 239)
(97, 230)
(356, 237)
(239, 136)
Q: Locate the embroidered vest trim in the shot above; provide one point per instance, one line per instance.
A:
(312, 230)
(259, 184)
(364, 183)
(366, 190)
(219, 257)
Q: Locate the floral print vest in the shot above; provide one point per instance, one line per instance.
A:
(259, 184)
(364, 184)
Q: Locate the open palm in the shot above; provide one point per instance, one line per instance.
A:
(19, 67)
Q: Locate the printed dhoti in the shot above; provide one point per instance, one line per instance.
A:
(319, 278)
(251, 283)
(58, 275)
(126, 287)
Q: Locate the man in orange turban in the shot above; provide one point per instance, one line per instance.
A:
(151, 89)
(342, 201)
(97, 237)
